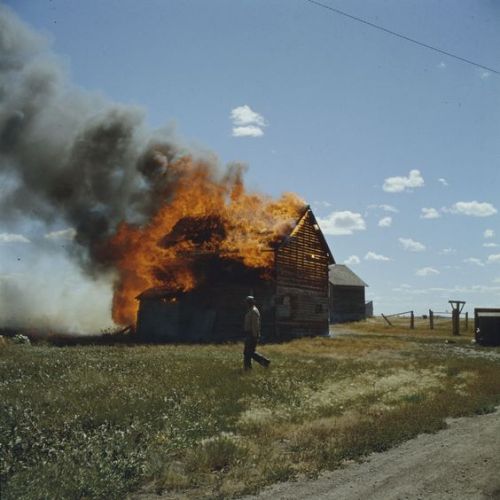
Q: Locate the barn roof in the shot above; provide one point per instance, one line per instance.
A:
(341, 275)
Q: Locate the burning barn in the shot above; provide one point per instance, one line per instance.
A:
(288, 276)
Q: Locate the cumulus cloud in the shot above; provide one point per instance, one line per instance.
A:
(443, 181)
(13, 238)
(475, 261)
(490, 245)
(376, 256)
(342, 223)
(402, 183)
(427, 271)
(63, 234)
(248, 131)
(489, 233)
(429, 213)
(411, 245)
(352, 260)
(385, 208)
(494, 258)
(385, 222)
(473, 208)
(247, 122)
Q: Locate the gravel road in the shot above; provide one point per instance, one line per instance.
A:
(461, 462)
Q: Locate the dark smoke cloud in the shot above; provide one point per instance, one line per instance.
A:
(71, 155)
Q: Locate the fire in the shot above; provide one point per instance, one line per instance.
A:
(206, 214)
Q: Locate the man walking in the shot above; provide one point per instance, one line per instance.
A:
(252, 334)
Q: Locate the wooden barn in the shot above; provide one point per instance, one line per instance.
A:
(292, 296)
(347, 295)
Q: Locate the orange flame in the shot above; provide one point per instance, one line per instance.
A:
(207, 214)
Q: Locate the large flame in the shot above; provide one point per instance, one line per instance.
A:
(206, 214)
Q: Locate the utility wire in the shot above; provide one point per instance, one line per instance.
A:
(399, 35)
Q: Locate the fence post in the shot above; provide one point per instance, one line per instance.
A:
(390, 324)
(431, 319)
(455, 322)
(466, 321)
(412, 320)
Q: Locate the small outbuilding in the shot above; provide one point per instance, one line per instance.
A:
(346, 295)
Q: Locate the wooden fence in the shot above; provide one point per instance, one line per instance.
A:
(425, 321)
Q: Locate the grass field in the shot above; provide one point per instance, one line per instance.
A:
(184, 420)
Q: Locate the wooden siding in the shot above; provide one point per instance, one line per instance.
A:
(302, 282)
(207, 315)
(302, 260)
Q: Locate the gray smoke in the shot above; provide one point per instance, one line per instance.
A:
(70, 156)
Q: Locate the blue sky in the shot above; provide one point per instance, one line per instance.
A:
(395, 147)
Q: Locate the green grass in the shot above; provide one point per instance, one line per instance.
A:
(105, 421)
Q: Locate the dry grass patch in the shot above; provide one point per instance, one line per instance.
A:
(401, 326)
(185, 421)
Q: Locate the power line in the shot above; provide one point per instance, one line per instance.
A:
(399, 35)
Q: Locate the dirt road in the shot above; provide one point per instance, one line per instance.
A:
(461, 462)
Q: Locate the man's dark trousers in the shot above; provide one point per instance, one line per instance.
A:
(249, 353)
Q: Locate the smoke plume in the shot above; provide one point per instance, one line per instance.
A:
(73, 155)
(72, 158)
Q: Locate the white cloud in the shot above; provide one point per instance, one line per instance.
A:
(484, 75)
(385, 222)
(249, 131)
(494, 258)
(245, 115)
(441, 65)
(385, 208)
(376, 256)
(429, 213)
(63, 234)
(398, 184)
(491, 245)
(473, 208)
(489, 233)
(411, 245)
(247, 122)
(427, 271)
(342, 223)
(13, 238)
(353, 259)
(448, 251)
(474, 260)
(443, 181)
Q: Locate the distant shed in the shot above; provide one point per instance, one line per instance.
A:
(346, 295)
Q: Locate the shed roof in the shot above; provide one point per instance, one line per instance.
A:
(341, 275)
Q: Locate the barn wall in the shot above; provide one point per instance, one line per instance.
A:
(302, 283)
(347, 303)
(210, 315)
(158, 320)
